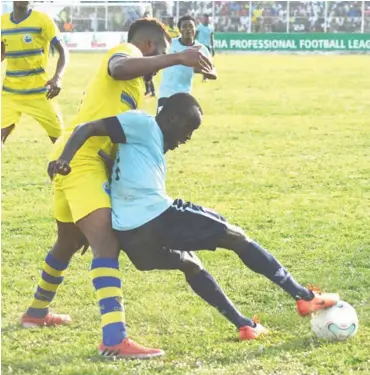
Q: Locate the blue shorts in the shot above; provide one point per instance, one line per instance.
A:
(169, 239)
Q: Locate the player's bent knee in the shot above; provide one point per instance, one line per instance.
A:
(234, 239)
(190, 265)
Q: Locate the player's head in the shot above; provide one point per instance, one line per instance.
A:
(205, 19)
(21, 5)
(187, 27)
(150, 36)
(179, 117)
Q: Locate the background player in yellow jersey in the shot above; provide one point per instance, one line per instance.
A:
(82, 201)
(26, 36)
(172, 29)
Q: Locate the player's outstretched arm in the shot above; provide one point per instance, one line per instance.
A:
(109, 126)
(124, 68)
(55, 84)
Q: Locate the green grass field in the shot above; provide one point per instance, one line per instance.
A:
(284, 153)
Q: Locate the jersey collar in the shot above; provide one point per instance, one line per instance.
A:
(186, 45)
(21, 20)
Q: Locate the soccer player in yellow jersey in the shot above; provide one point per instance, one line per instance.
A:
(26, 36)
(82, 199)
(172, 29)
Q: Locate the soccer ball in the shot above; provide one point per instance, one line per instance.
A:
(337, 323)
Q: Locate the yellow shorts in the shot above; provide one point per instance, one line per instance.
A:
(83, 191)
(40, 108)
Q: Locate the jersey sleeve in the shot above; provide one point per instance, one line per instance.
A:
(123, 50)
(50, 30)
(135, 126)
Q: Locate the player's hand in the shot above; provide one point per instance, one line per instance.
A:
(59, 166)
(194, 58)
(54, 86)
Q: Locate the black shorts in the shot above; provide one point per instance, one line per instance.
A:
(168, 240)
(161, 103)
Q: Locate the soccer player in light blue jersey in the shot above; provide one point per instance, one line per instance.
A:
(205, 34)
(179, 78)
(158, 232)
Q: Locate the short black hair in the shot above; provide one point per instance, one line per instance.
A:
(188, 17)
(149, 24)
(180, 103)
(206, 15)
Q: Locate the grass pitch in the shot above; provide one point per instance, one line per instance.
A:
(284, 153)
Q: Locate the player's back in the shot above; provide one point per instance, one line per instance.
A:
(105, 97)
(27, 45)
(138, 181)
(178, 78)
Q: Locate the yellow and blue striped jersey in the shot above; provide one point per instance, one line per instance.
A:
(105, 97)
(174, 32)
(27, 45)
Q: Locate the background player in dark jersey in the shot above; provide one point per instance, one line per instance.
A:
(158, 232)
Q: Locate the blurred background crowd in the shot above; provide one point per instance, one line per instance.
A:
(226, 16)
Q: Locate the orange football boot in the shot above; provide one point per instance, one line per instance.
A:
(320, 301)
(251, 333)
(129, 349)
(49, 320)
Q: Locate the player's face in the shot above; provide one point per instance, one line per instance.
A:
(181, 128)
(205, 20)
(21, 5)
(188, 30)
(155, 48)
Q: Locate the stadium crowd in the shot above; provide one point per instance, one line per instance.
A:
(228, 16)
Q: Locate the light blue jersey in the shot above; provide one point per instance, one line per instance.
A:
(138, 190)
(204, 34)
(178, 78)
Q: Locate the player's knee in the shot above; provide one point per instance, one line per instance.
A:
(191, 266)
(235, 239)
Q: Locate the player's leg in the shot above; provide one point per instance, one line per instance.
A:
(69, 241)
(144, 247)
(47, 114)
(259, 260)
(193, 227)
(152, 87)
(10, 115)
(147, 88)
(91, 209)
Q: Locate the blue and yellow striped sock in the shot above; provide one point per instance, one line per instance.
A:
(51, 278)
(105, 276)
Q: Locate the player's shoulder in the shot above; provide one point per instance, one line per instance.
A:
(5, 21)
(134, 116)
(125, 49)
(40, 16)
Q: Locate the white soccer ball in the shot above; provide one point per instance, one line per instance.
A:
(337, 323)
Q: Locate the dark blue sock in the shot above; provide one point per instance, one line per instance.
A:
(261, 261)
(207, 288)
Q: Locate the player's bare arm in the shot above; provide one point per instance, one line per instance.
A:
(126, 68)
(55, 84)
(109, 126)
